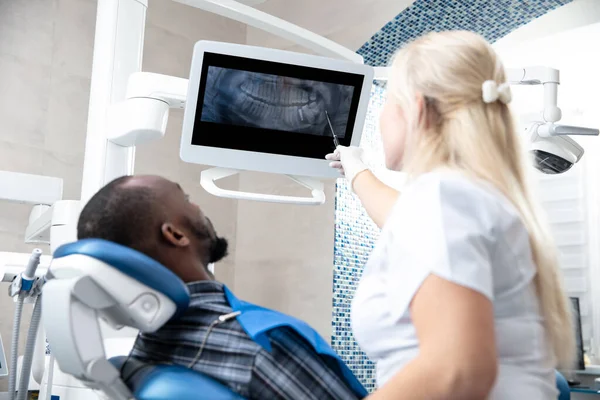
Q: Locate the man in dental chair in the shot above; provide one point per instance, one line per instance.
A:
(154, 216)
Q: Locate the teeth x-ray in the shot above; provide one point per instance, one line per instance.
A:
(266, 101)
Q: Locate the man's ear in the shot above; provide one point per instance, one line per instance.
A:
(173, 235)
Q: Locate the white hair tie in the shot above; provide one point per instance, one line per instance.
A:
(492, 92)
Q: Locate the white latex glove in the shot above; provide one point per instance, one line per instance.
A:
(349, 161)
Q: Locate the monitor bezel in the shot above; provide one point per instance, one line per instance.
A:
(258, 161)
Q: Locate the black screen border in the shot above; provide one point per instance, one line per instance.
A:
(269, 141)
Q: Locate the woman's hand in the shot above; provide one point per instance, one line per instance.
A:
(349, 161)
(376, 197)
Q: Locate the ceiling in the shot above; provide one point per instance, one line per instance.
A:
(348, 22)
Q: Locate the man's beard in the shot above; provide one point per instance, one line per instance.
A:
(218, 249)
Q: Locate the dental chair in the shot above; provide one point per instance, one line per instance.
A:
(94, 279)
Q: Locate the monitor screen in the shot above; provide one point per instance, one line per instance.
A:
(275, 102)
(273, 107)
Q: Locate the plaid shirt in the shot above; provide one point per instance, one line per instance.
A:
(291, 371)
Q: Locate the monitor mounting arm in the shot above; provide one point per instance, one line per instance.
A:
(550, 79)
(142, 117)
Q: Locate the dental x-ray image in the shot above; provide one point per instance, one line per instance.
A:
(281, 103)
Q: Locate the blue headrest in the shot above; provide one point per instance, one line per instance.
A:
(133, 264)
(168, 382)
(564, 391)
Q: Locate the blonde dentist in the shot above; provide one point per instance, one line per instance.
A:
(461, 298)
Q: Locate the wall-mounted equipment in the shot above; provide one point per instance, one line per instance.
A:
(553, 151)
(260, 109)
(251, 109)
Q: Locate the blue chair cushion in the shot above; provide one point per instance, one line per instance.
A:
(168, 382)
(564, 392)
(133, 264)
(258, 322)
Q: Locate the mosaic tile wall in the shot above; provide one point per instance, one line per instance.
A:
(355, 233)
(355, 236)
(491, 18)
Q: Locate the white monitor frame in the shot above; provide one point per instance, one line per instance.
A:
(264, 162)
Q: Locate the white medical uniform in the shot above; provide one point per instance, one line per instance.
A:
(468, 233)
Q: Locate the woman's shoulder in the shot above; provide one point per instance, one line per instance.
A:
(456, 191)
(450, 181)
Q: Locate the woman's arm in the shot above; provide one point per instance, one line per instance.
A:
(457, 349)
(377, 198)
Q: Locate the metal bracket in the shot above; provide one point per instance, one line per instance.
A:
(209, 176)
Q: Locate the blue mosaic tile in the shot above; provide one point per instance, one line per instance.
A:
(355, 233)
(492, 19)
(355, 236)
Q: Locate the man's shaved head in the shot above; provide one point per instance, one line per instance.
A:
(124, 212)
(154, 216)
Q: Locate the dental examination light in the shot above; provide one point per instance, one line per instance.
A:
(553, 151)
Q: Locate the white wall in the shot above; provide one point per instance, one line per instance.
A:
(46, 51)
(571, 199)
(571, 16)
